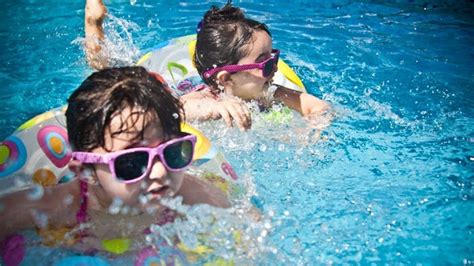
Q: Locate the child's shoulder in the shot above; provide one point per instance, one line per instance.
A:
(71, 188)
(65, 195)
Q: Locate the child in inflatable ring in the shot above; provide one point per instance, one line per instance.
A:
(235, 58)
(128, 153)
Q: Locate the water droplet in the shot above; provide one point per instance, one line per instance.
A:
(68, 199)
(86, 172)
(281, 147)
(116, 205)
(267, 225)
(423, 201)
(125, 210)
(40, 218)
(142, 199)
(149, 238)
(36, 193)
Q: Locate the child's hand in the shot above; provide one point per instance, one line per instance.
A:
(95, 11)
(233, 109)
(317, 123)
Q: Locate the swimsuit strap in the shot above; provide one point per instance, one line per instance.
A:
(81, 215)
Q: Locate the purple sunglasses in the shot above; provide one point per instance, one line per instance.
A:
(132, 165)
(266, 66)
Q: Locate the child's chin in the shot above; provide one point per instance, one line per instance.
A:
(152, 207)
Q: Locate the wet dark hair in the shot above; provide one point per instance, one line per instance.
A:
(108, 91)
(222, 35)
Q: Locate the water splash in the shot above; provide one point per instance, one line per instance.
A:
(232, 234)
(118, 45)
(119, 41)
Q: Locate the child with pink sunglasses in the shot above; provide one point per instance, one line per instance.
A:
(235, 58)
(128, 152)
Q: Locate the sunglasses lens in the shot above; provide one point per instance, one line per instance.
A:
(268, 68)
(131, 165)
(178, 155)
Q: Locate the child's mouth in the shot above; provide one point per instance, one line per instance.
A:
(158, 193)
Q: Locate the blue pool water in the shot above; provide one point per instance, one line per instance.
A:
(390, 181)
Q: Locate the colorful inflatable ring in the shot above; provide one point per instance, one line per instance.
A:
(173, 60)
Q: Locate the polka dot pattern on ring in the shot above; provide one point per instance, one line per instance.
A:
(12, 156)
(54, 143)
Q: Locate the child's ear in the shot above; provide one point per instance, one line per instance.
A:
(223, 78)
(82, 172)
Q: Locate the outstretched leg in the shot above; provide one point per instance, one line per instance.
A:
(94, 16)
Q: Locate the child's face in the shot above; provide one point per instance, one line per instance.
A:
(250, 84)
(159, 182)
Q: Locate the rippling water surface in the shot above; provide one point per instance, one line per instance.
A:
(390, 181)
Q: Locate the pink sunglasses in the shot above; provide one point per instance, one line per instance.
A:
(266, 66)
(132, 165)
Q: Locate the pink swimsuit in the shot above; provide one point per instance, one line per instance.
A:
(168, 215)
(81, 215)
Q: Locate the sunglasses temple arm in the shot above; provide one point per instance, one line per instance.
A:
(86, 157)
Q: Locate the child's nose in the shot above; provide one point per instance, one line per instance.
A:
(158, 170)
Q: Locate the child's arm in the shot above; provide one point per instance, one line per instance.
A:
(202, 105)
(94, 15)
(23, 210)
(197, 191)
(306, 104)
